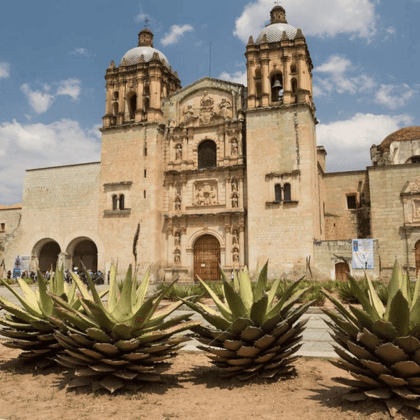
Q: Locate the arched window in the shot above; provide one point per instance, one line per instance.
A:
(115, 95)
(207, 155)
(133, 106)
(293, 68)
(115, 108)
(146, 90)
(114, 202)
(414, 159)
(287, 190)
(276, 88)
(122, 200)
(277, 192)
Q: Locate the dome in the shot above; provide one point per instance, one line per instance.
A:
(275, 31)
(133, 56)
(406, 133)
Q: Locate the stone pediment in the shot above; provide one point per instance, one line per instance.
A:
(412, 187)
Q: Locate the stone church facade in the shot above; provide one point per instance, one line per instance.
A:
(217, 174)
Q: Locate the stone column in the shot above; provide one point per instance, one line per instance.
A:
(287, 85)
(265, 82)
(241, 190)
(242, 243)
(140, 109)
(183, 231)
(228, 240)
(108, 101)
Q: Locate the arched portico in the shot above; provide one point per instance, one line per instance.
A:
(83, 251)
(45, 254)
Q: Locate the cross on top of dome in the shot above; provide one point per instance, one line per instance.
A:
(278, 14)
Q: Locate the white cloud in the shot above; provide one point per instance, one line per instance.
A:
(395, 96)
(39, 101)
(141, 16)
(4, 70)
(24, 146)
(69, 87)
(237, 77)
(337, 78)
(324, 18)
(175, 34)
(81, 52)
(348, 142)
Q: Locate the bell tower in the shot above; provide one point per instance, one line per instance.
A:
(282, 170)
(132, 159)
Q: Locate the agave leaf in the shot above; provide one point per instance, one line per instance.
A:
(71, 296)
(284, 306)
(75, 319)
(259, 311)
(113, 289)
(167, 324)
(385, 330)
(141, 291)
(416, 292)
(138, 319)
(363, 317)
(245, 290)
(346, 326)
(261, 283)
(217, 321)
(80, 285)
(294, 300)
(395, 282)
(364, 301)
(235, 302)
(16, 310)
(123, 309)
(405, 287)
(162, 313)
(374, 298)
(45, 302)
(58, 282)
(30, 296)
(272, 293)
(415, 312)
(399, 313)
(100, 314)
(224, 310)
(343, 311)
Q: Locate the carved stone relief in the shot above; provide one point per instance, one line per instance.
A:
(207, 109)
(416, 210)
(205, 193)
(178, 152)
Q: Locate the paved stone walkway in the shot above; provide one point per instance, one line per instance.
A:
(316, 339)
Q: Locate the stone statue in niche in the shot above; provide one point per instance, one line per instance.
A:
(225, 108)
(235, 237)
(416, 210)
(234, 147)
(236, 257)
(234, 185)
(235, 201)
(206, 195)
(177, 257)
(178, 203)
(178, 152)
(177, 239)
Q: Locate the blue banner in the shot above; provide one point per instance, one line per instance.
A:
(363, 258)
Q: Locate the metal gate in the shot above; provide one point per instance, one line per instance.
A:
(207, 258)
(417, 254)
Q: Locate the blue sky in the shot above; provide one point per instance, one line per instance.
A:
(54, 54)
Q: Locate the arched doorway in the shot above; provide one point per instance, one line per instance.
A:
(86, 252)
(341, 271)
(48, 256)
(417, 257)
(207, 258)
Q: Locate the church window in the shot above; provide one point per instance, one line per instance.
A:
(144, 193)
(287, 191)
(277, 193)
(114, 202)
(2, 227)
(146, 104)
(294, 85)
(145, 173)
(276, 88)
(351, 202)
(207, 155)
(115, 95)
(122, 202)
(133, 106)
(146, 90)
(115, 108)
(293, 68)
(145, 151)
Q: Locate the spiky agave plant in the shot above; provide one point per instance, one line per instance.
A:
(253, 335)
(27, 327)
(121, 344)
(380, 345)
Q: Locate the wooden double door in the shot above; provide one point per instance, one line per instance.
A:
(207, 258)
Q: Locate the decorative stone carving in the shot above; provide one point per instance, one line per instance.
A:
(206, 193)
(235, 201)
(235, 237)
(416, 210)
(234, 185)
(178, 203)
(225, 108)
(189, 114)
(178, 152)
(177, 239)
(234, 147)
(207, 109)
(177, 257)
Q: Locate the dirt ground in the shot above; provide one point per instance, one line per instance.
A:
(193, 390)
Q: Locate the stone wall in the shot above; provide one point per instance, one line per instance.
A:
(10, 221)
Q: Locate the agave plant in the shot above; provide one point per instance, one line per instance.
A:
(27, 327)
(121, 344)
(380, 345)
(253, 334)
